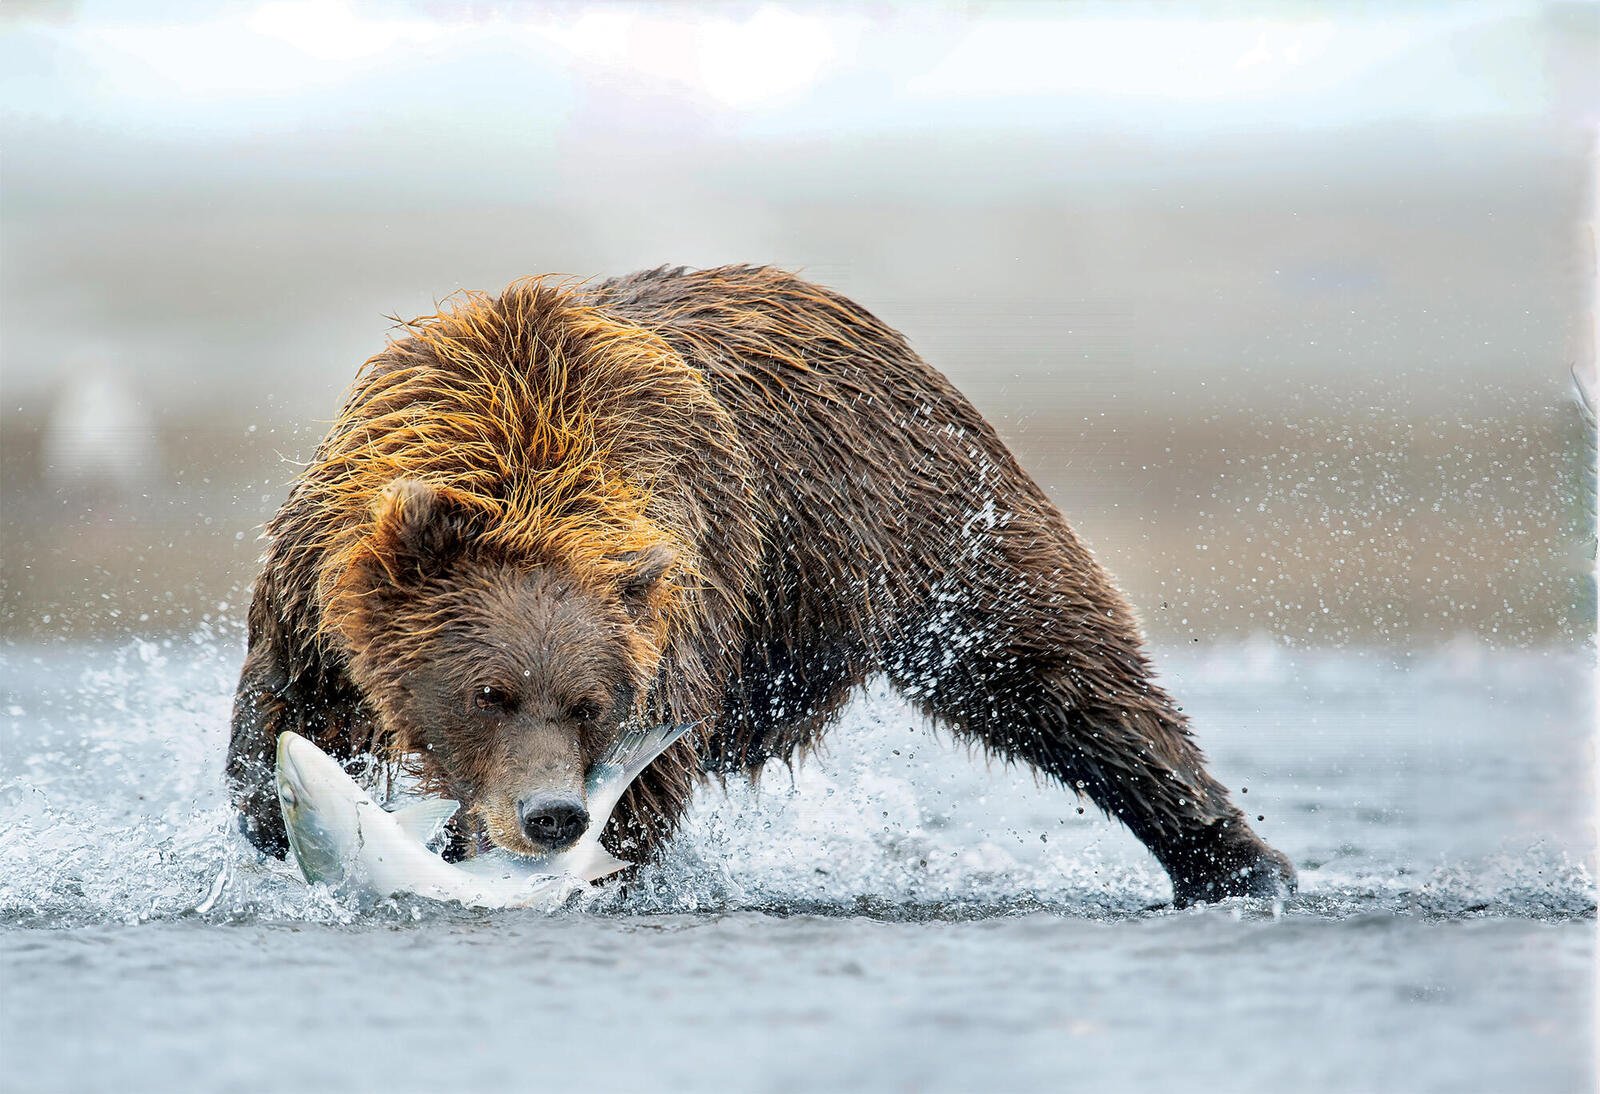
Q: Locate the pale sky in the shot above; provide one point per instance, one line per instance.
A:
(193, 183)
(776, 70)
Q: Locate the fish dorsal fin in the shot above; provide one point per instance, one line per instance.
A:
(423, 820)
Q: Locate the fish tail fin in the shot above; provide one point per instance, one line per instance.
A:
(633, 752)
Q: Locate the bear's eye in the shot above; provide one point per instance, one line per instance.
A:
(584, 712)
(492, 700)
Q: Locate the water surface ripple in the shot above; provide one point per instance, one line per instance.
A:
(895, 913)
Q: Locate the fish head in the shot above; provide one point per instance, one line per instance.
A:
(507, 678)
(321, 809)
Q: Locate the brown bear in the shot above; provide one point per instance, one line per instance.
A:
(723, 496)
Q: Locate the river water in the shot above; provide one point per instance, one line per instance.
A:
(894, 915)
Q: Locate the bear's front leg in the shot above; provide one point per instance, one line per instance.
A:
(1225, 859)
(1126, 749)
(319, 705)
(258, 716)
(1060, 681)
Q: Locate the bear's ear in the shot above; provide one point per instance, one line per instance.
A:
(416, 531)
(645, 569)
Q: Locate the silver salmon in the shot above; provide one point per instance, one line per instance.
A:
(342, 838)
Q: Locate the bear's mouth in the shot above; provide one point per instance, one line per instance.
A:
(470, 835)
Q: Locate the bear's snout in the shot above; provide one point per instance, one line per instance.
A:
(553, 821)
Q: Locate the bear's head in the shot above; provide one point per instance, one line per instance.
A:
(505, 677)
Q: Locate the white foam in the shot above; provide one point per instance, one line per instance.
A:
(112, 799)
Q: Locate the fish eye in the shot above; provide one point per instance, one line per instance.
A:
(492, 700)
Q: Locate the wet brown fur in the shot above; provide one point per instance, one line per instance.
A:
(831, 506)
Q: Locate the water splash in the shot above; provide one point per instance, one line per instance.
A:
(113, 808)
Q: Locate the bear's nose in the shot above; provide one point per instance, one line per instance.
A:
(551, 820)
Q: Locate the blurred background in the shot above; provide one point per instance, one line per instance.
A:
(1281, 304)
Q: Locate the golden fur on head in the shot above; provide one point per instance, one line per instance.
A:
(522, 412)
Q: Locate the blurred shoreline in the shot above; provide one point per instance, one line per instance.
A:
(1340, 523)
